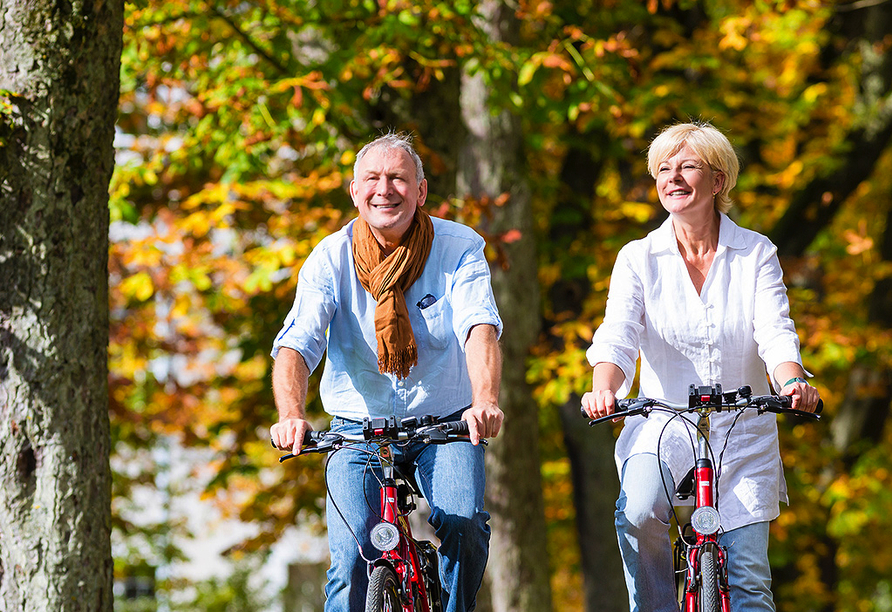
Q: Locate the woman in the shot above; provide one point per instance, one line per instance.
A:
(701, 301)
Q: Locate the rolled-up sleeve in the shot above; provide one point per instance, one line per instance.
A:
(473, 302)
(305, 326)
(617, 339)
(774, 330)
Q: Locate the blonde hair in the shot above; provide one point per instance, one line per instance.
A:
(708, 143)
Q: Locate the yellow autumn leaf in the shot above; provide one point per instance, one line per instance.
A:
(138, 286)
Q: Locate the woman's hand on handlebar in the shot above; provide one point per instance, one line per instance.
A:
(804, 396)
(288, 434)
(600, 403)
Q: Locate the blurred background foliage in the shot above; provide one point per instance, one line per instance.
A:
(239, 123)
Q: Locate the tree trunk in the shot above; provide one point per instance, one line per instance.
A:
(595, 489)
(860, 420)
(59, 65)
(590, 450)
(490, 164)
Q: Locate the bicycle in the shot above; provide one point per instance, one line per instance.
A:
(405, 578)
(700, 561)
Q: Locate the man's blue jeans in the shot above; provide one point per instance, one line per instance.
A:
(451, 476)
(642, 528)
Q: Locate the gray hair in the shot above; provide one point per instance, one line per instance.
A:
(390, 142)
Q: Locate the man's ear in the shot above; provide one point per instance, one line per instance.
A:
(422, 193)
(352, 190)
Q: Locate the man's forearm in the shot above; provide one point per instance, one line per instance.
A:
(290, 381)
(484, 359)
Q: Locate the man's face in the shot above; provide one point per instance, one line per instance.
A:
(387, 193)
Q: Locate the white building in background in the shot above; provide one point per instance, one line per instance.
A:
(199, 530)
(194, 526)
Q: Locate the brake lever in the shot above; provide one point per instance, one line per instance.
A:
(641, 410)
(434, 435)
(311, 444)
(802, 413)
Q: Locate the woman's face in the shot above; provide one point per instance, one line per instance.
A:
(686, 185)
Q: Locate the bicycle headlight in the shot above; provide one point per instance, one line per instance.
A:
(705, 520)
(385, 536)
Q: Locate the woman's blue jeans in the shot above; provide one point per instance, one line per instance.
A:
(452, 478)
(642, 528)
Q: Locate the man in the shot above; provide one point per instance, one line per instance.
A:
(402, 307)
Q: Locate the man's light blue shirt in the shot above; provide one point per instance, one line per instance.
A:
(452, 295)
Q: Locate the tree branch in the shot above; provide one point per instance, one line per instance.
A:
(250, 42)
(815, 206)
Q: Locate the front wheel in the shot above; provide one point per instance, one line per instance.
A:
(384, 591)
(709, 579)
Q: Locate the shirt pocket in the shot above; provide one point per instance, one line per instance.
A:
(432, 326)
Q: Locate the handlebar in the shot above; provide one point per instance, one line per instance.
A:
(384, 431)
(704, 400)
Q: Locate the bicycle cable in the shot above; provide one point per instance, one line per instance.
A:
(371, 455)
(335, 504)
(669, 496)
(718, 470)
(689, 427)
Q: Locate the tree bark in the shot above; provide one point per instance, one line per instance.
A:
(59, 65)
(590, 450)
(490, 164)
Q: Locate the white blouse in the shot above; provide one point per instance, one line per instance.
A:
(737, 326)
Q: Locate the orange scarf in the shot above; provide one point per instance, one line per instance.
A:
(387, 278)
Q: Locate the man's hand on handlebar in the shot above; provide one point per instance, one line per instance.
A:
(597, 404)
(288, 434)
(484, 421)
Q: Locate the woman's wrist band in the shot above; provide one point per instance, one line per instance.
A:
(795, 380)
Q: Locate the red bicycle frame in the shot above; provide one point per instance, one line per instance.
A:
(404, 557)
(404, 577)
(704, 496)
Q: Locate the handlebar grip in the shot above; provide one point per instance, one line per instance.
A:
(311, 438)
(779, 403)
(622, 408)
(458, 428)
(787, 401)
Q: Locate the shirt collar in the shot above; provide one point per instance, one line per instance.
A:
(730, 235)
